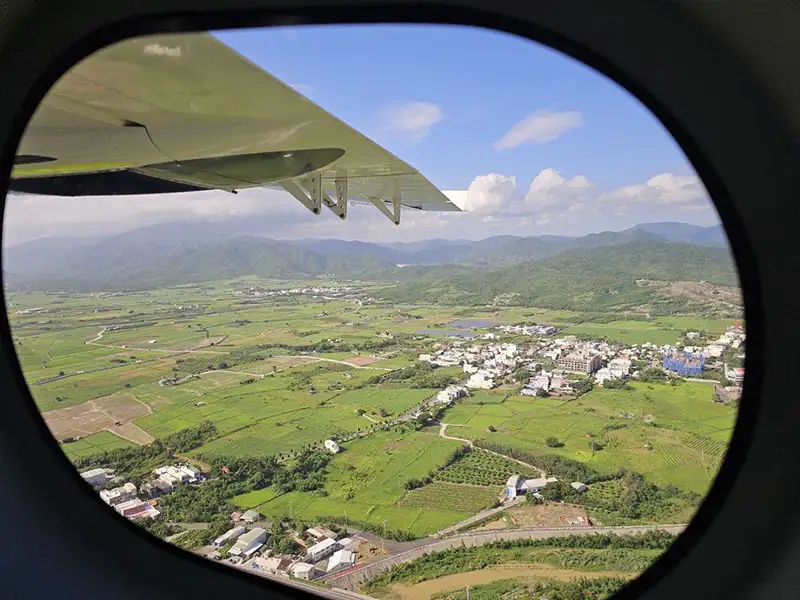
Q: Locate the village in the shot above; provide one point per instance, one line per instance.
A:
(558, 365)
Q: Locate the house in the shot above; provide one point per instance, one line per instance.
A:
(516, 486)
(249, 542)
(136, 509)
(341, 559)
(303, 570)
(236, 516)
(273, 564)
(579, 487)
(322, 550)
(251, 516)
(331, 446)
(119, 495)
(229, 536)
(96, 477)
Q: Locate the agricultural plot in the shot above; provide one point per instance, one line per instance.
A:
(479, 467)
(461, 498)
(682, 446)
(94, 416)
(94, 444)
(626, 332)
(367, 479)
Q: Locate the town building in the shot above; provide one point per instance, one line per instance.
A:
(322, 550)
(250, 516)
(119, 495)
(97, 477)
(303, 570)
(229, 536)
(579, 487)
(249, 543)
(516, 486)
(331, 446)
(580, 363)
(341, 559)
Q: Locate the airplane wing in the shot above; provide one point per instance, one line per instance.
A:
(184, 112)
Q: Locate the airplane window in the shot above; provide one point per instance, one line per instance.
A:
(448, 315)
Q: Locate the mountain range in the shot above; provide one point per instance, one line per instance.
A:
(184, 252)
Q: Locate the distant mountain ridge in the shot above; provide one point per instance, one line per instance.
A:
(180, 252)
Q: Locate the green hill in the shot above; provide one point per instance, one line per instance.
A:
(601, 278)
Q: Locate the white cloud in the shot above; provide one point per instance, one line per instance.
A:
(490, 193)
(550, 191)
(540, 126)
(683, 193)
(493, 204)
(413, 119)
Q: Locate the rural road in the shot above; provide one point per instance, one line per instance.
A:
(352, 578)
(338, 362)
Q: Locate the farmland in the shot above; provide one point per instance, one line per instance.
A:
(279, 374)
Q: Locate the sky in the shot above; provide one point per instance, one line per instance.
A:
(524, 139)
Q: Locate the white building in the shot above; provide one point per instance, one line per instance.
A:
(480, 381)
(96, 477)
(322, 549)
(619, 367)
(248, 543)
(250, 516)
(516, 486)
(579, 487)
(229, 536)
(331, 446)
(303, 570)
(119, 495)
(341, 559)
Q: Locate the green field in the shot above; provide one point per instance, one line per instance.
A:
(367, 480)
(688, 440)
(93, 444)
(661, 331)
(269, 375)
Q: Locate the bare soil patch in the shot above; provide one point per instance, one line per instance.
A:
(98, 415)
(523, 572)
(360, 361)
(548, 514)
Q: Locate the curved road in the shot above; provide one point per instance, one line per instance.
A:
(351, 578)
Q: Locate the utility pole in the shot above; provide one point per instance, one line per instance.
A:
(467, 592)
(383, 539)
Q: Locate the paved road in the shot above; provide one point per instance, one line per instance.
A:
(352, 578)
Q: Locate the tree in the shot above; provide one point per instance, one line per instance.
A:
(553, 442)
(542, 393)
(492, 428)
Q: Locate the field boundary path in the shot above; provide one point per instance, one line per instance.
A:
(352, 578)
(443, 431)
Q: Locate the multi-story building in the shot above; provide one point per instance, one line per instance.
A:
(579, 363)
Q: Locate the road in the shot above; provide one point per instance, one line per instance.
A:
(338, 362)
(352, 578)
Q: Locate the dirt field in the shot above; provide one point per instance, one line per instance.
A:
(361, 361)
(525, 573)
(98, 415)
(541, 515)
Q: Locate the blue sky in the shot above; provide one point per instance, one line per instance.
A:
(527, 140)
(484, 82)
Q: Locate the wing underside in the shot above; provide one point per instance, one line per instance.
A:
(186, 113)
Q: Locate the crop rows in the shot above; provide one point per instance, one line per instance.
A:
(482, 468)
(703, 444)
(669, 457)
(443, 496)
